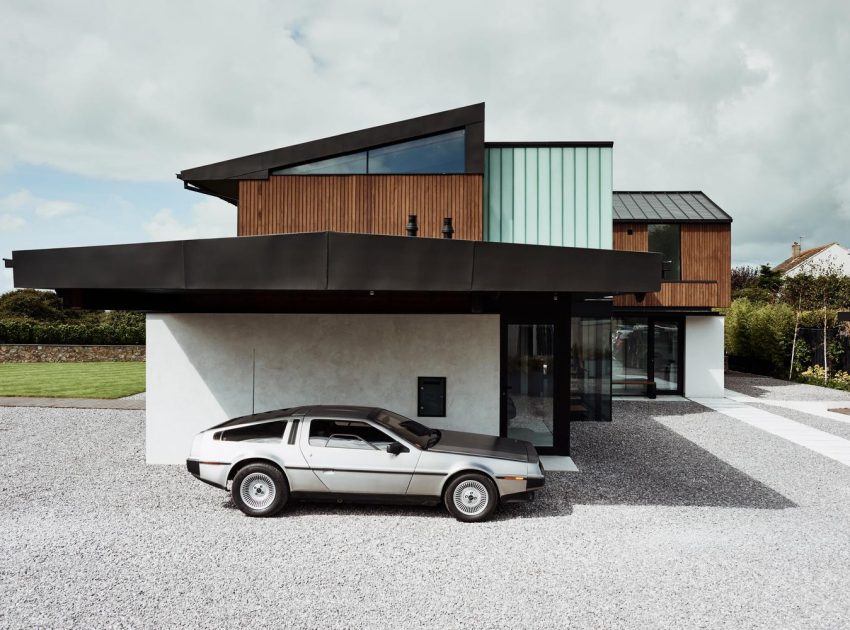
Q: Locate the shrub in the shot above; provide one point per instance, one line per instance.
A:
(23, 331)
(815, 376)
(759, 336)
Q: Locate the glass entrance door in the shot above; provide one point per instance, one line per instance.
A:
(530, 377)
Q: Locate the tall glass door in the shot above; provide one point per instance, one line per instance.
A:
(530, 379)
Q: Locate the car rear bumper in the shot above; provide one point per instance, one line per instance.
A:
(213, 473)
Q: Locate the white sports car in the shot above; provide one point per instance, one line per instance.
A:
(361, 453)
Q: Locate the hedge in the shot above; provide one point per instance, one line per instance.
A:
(759, 338)
(25, 331)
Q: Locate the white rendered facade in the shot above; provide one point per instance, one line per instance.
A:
(200, 368)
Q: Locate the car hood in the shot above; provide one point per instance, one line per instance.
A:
(479, 445)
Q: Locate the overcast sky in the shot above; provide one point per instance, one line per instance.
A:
(102, 103)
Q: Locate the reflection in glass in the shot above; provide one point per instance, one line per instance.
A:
(629, 354)
(590, 368)
(354, 164)
(531, 383)
(444, 153)
(666, 337)
(665, 238)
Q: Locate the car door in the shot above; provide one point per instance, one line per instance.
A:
(351, 457)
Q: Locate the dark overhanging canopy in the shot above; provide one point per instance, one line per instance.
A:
(327, 271)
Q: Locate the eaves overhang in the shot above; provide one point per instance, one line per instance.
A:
(221, 179)
(331, 264)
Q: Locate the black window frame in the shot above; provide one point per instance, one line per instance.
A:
(367, 153)
(678, 259)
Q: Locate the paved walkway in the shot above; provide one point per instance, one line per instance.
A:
(736, 406)
(73, 403)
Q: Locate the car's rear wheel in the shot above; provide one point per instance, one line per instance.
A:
(259, 490)
(471, 497)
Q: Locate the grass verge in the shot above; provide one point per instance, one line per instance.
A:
(72, 380)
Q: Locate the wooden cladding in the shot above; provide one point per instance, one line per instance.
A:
(706, 257)
(367, 204)
(696, 294)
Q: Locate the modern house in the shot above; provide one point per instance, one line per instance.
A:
(815, 259)
(474, 285)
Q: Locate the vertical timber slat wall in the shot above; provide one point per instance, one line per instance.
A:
(706, 250)
(549, 196)
(367, 204)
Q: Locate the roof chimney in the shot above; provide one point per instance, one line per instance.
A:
(795, 249)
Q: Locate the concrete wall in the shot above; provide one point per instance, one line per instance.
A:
(704, 357)
(199, 368)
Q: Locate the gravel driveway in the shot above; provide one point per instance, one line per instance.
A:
(681, 517)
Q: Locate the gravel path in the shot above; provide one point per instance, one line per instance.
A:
(775, 389)
(681, 517)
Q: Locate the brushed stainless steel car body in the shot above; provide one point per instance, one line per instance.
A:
(362, 453)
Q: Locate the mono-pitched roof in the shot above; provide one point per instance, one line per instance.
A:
(667, 207)
(795, 261)
(221, 179)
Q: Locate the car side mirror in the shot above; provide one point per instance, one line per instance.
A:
(394, 448)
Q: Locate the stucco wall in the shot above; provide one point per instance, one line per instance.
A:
(704, 357)
(199, 368)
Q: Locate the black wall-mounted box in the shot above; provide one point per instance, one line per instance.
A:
(431, 401)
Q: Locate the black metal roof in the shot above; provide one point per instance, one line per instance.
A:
(347, 267)
(222, 178)
(667, 207)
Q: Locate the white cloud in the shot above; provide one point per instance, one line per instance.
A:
(10, 222)
(742, 100)
(51, 209)
(24, 201)
(209, 219)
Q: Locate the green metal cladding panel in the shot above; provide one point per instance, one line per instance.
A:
(549, 196)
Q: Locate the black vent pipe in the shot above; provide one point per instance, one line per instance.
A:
(412, 226)
(448, 230)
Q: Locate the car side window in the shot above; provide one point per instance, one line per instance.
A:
(350, 434)
(270, 432)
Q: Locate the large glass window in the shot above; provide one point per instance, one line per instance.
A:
(443, 153)
(629, 354)
(590, 368)
(665, 239)
(646, 350)
(354, 164)
(666, 355)
(531, 383)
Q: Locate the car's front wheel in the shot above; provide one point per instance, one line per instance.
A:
(471, 497)
(259, 490)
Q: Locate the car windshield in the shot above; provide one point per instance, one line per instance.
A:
(412, 431)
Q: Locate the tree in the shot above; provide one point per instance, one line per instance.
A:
(822, 288)
(744, 277)
(770, 279)
(43, 306)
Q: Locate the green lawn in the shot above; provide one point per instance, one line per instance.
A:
(72, 380)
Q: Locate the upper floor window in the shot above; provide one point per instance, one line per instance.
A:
(665, 238)
(443, 153)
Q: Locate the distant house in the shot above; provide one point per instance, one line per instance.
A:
(814, 259)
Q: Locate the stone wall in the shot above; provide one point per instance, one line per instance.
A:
(35, 353)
